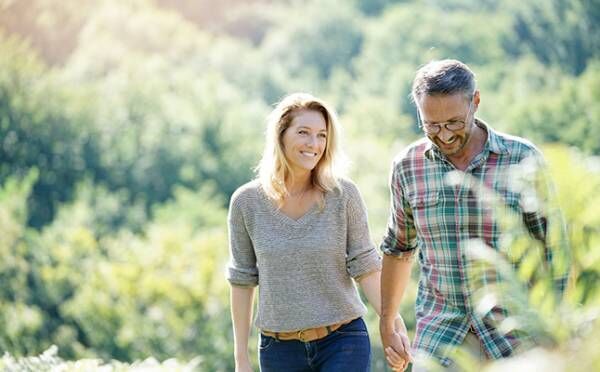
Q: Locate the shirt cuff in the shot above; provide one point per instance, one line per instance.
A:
(394, 252)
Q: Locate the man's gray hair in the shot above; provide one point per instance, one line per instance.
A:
(445, 77)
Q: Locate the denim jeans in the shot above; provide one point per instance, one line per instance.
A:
(345, 350)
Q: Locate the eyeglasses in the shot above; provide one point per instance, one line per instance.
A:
(452, 126)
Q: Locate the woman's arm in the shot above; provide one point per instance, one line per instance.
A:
(370, 284)
(242, 300)
(371, 287)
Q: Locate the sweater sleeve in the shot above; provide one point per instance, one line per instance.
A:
(241, 270)
(362, 256)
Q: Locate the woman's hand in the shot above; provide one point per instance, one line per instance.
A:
(396, 343)
(242, 364)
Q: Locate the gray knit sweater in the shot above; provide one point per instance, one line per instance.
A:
(304, 268)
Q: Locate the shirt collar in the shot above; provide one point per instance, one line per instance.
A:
(493, 143)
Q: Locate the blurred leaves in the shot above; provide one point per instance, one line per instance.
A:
(50, 361)
(529, 284)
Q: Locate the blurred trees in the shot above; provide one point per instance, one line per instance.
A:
(120, 122)
(328, 35)
(43, 126)
(565, 33)
(51, 26)
(123, 295)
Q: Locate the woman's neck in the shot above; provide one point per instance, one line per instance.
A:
(299, 184)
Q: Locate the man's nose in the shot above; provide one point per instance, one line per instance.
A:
(445, 134)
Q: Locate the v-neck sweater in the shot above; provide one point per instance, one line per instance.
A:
(304, 268)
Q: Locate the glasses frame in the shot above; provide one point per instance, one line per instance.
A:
(461, 123)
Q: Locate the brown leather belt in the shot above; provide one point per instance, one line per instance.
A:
(306, 335)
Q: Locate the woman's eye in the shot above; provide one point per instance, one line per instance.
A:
(302, 131)
(322, 135)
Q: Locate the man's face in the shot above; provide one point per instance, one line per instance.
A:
(447, 121)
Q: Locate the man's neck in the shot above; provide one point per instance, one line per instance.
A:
(474, 146)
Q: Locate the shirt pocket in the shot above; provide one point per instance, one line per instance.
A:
(425, 200)
(426, 214)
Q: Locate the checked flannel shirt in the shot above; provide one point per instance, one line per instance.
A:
(442, 211)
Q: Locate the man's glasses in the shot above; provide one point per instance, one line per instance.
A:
(452, 126)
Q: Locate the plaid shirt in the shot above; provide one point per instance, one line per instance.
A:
(437, 209)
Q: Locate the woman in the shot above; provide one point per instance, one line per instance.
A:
(300, 233)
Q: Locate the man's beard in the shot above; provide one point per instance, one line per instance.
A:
(459, 143)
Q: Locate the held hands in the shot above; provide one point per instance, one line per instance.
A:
(395, 343)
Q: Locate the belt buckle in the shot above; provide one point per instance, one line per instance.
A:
(301, 336)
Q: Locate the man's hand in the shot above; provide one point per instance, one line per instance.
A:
(396, 344)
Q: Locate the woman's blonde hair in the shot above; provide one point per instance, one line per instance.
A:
(274, 168)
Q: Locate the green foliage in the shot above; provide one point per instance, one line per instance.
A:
(125, 296)
(132, 131)
(18, 319)
(565, 33)
(50, 361)
(399, 37)
(564, 111)
(40, 126)
(557, 319)
(51, 26)
(578, 180)
(328, 31)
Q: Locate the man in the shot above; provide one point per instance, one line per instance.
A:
(437, 185)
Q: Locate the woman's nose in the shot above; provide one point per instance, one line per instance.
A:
(312, 140)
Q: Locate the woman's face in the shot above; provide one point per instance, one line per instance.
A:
(304, 141)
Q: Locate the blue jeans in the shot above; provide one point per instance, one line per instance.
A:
(346, 349)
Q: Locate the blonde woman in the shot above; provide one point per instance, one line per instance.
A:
(299, 232)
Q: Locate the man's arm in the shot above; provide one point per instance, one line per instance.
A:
(398, 245)
(395, 276)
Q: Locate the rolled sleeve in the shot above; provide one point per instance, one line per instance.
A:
(400, 239)
(362, 256)
(365, 263)
(241, 270)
